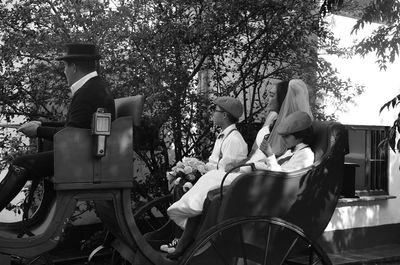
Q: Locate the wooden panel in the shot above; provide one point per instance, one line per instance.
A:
(75, 164)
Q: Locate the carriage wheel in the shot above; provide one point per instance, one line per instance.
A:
(154, 224)
(255, 240)
(153, 215)
(41, 197)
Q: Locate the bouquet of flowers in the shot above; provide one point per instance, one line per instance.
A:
(186, 172)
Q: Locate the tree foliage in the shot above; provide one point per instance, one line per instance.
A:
(385, 40)
(180, 54)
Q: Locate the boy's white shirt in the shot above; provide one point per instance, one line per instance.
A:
(231, 145)
(301, 157)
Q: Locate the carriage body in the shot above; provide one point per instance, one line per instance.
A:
(305, 198)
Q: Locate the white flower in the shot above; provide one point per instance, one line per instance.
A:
(188, 170)
(202, 169)
(191, 177)
(180, 164)
(187, 186)
(170, 176)
(177, 180)
(180, 170)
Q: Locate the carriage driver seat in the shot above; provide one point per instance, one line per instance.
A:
(79, 176)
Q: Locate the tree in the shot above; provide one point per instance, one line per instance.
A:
(158, 48)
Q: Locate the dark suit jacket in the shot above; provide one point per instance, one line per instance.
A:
(92, 95)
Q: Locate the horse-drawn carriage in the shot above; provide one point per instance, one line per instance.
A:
(263, 217)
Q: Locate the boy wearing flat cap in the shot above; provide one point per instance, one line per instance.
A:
(230, 147)
(296, 131)
(89, 93)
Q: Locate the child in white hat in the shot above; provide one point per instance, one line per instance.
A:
(296, 131)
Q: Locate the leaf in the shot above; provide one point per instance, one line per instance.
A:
(398, 145)
(391, 103)
(392, 139)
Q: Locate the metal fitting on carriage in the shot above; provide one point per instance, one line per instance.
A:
(101, 127)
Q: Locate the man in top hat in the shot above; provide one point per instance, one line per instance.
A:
(89, 92)
(296, 132)
(230, 147)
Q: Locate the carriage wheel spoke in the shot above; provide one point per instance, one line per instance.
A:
(242, 244)
(316, 262)
(311, 257)
(149, 223)
(163, 210)
(289, 250)
(266, 249)
(245, 252)
(220, 256)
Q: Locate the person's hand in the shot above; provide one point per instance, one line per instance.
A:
(30, 128)
(265, 147)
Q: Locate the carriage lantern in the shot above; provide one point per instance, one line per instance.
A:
(101, 127)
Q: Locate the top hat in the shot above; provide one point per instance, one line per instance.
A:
(80, 51)
(231, 105)
(294, 122)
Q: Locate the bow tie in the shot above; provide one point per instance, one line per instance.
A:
(284, 160)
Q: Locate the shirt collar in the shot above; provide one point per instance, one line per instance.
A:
(226, 131)
(78, 84)
(298, 147)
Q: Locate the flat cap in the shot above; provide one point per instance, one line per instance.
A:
(231, 105)
(294, 122)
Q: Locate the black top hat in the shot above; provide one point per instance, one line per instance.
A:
(80, 51)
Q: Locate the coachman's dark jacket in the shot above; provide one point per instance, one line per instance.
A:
(92, 95)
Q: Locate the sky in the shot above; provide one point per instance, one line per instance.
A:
(380, 86)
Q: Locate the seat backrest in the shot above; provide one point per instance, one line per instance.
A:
(325, 135)
(130, 106)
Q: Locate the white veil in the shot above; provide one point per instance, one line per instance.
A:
(297, 99)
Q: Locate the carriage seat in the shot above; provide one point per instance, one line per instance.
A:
(326, 136)
(305, 197)
(130, 106)
(75, 167)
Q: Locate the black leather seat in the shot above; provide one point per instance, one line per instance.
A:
(306, 198)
